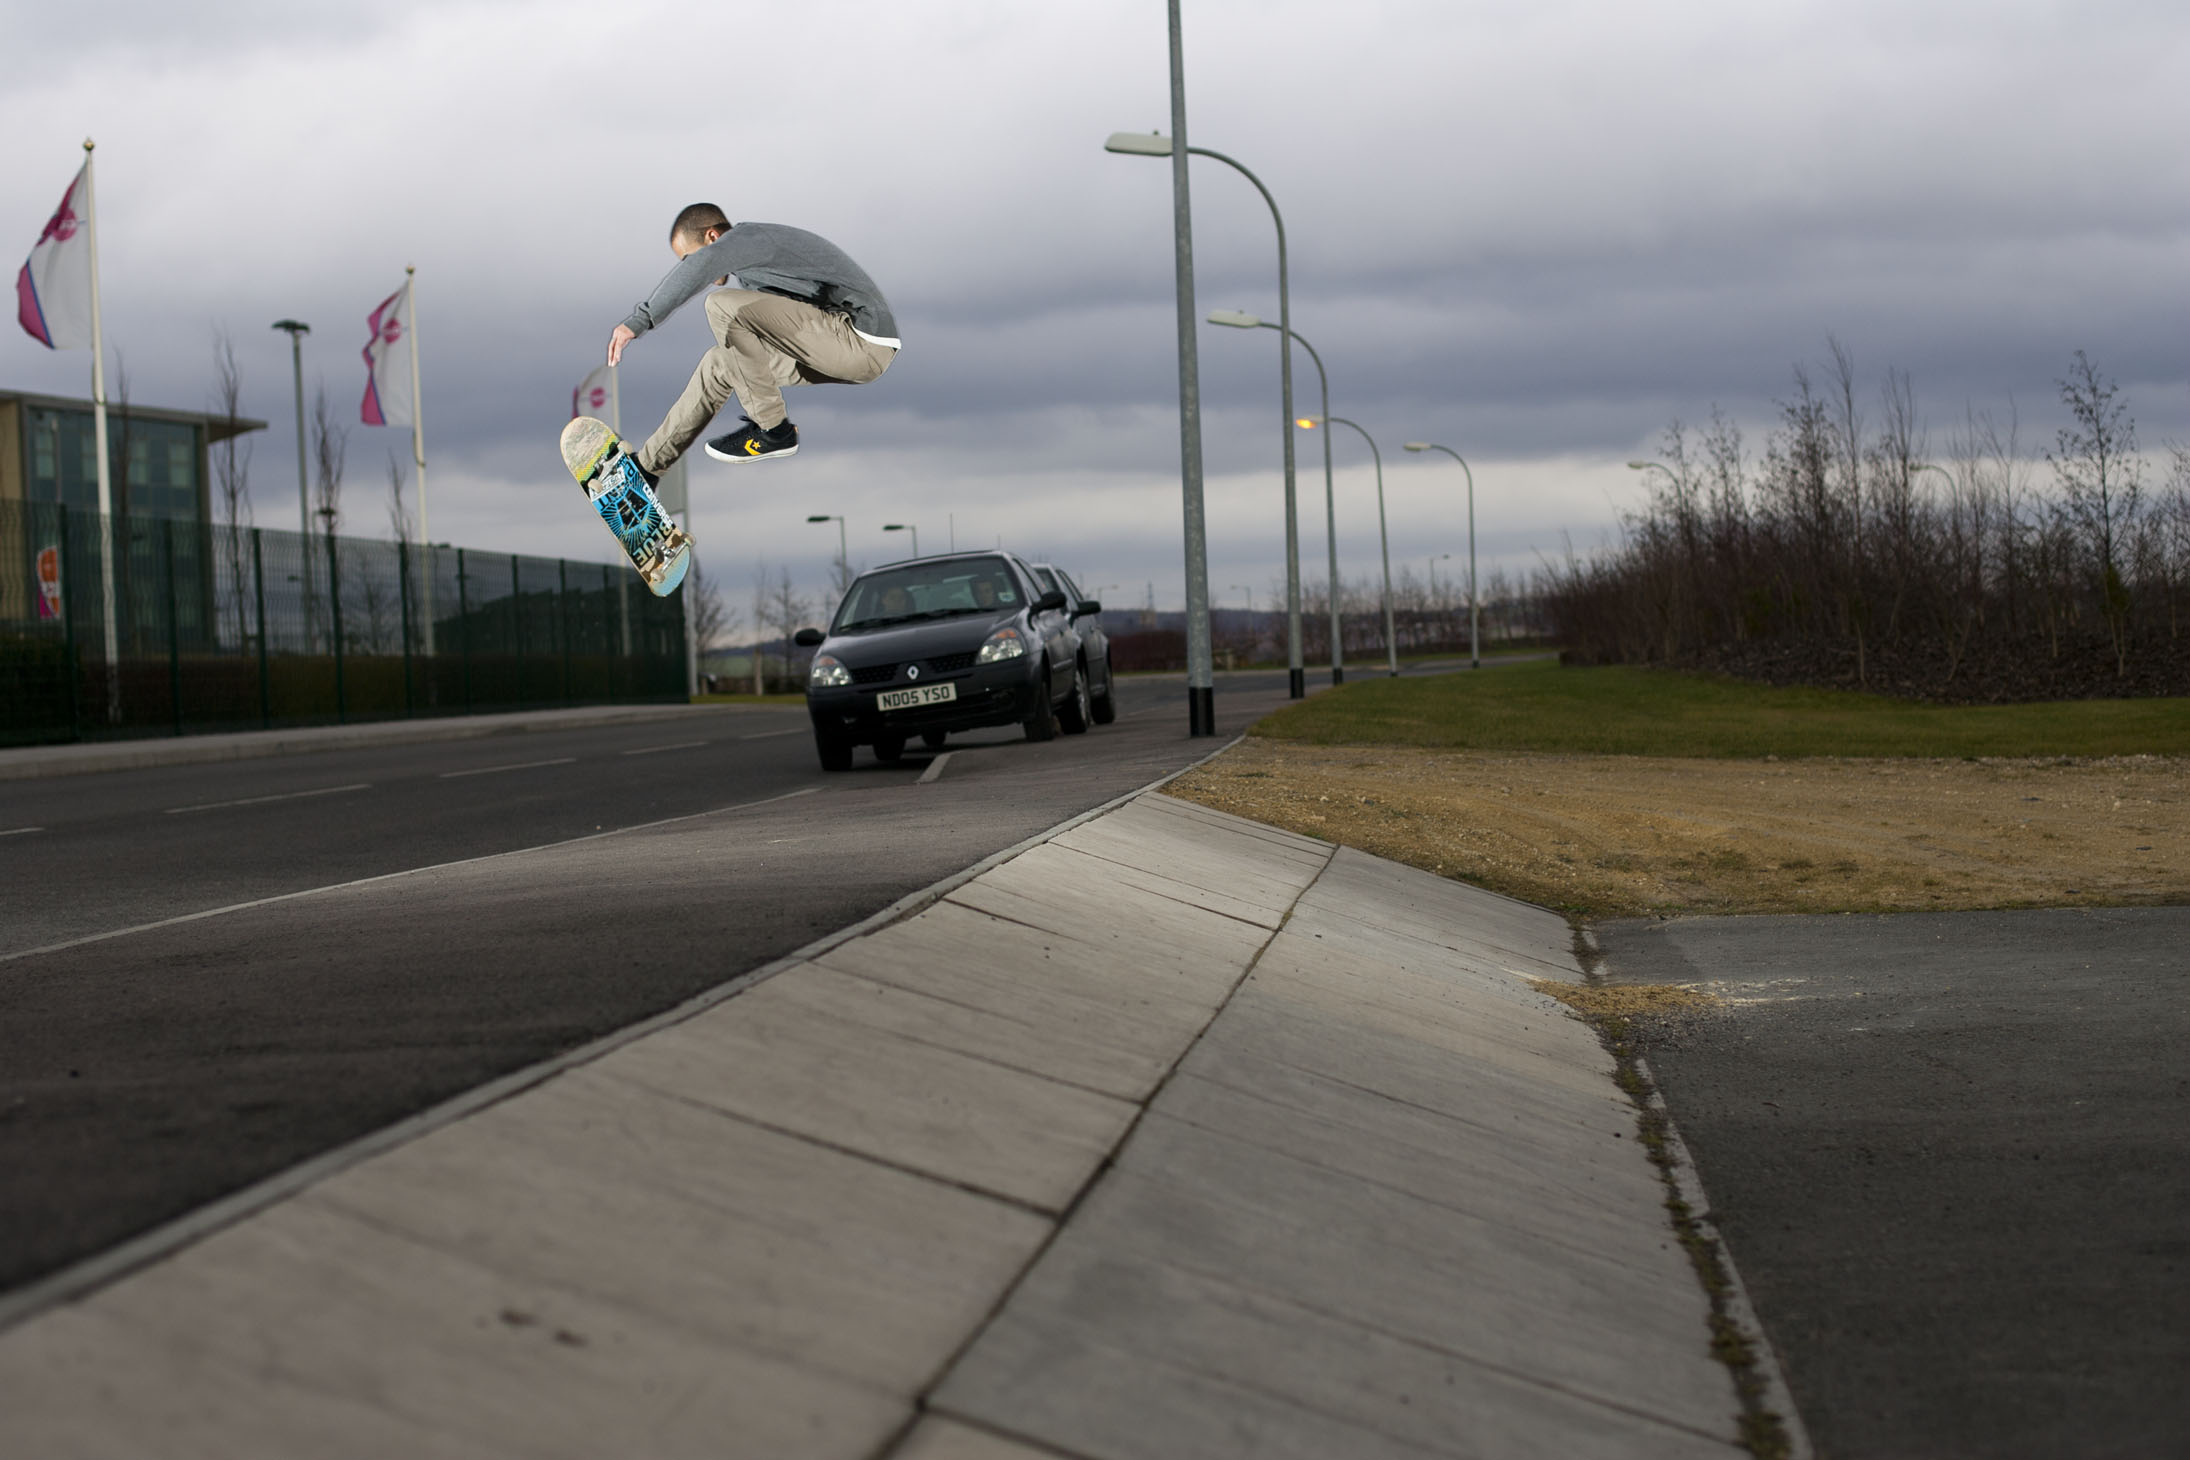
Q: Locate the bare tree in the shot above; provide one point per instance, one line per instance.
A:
(760, 624)
(399, 512)
(231, 475)
(330, 448)
(712, 619)
(787, 613)
(2095, 460)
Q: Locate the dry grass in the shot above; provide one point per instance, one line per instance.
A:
(1616, 835)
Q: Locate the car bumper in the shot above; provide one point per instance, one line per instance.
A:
(984, 698)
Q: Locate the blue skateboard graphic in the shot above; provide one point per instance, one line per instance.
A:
(658, 547)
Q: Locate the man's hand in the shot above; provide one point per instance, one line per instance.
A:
(616, 342)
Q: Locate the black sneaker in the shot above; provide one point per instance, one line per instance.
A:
(750, 443)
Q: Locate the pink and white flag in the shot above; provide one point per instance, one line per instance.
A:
(593, 394)
(53, 292)
(388, 362)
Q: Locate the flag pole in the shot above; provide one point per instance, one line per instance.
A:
(98, 428)
(418, 448)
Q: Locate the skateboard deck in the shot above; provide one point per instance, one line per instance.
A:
(658, 547)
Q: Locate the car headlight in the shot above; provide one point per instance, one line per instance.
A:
(1004, 644)
(827, 673)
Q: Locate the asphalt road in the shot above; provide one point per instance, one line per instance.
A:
(1950, 1154)
(442, 914)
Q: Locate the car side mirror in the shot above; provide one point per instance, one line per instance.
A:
(1089, 606)
(808, 638)
(1050, 601)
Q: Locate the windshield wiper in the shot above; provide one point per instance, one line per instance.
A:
(906, 618)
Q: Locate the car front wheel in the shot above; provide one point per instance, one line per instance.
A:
(835, 751)
(1041, 722)
(1074, 715)
(889, 749)
(1103, 708)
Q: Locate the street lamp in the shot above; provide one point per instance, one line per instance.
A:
(1236, 320)
(1654, 466)
(1475, 638)
(911, 527)
(843, 551)
(1155, 144)
(1391, 636)
(1242, 587)
(1201, 695)
(1924, 466)
(297, 329)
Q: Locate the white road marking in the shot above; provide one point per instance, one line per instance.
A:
(772, 734)
(21, 830)
(651, 749)
(279, 897)
(527, 765)
(935, 768)
(261, 800)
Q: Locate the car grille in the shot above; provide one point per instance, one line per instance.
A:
(875, 674)
(945, 663)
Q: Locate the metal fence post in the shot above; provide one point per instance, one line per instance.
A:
(609, 658)
(463, 619)
(517, 628)
(334, 617)
(69, 666)
(403, 592)
(258, 594)
(174, 641)
(562, 617)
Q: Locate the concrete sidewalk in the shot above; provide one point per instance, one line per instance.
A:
(1172, 1135)
(31, 762)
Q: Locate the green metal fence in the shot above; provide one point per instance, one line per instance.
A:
(220, 629)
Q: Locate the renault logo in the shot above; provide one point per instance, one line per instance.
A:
(912, 671)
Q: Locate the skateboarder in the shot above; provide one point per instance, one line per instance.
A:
(803, 314)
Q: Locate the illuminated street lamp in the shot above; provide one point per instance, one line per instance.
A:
(1391, 636)
(1234, 319)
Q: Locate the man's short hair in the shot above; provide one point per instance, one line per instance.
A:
(695, 220)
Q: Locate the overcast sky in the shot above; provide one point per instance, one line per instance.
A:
(1532, 231)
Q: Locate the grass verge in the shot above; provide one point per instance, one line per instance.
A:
(1624, 711)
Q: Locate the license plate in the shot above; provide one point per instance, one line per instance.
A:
(923, 694)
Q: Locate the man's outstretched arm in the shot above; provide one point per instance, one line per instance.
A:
(713, 264)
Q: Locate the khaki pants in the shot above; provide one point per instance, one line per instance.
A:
(765, 342)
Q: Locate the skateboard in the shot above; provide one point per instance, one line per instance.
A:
(659, 548)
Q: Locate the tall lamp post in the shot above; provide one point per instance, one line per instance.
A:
(1155, 144)
(297, 329)
(1201, 695)
(911, 527)
(1234, 319)
(1391, 636)
(1475, 638)
(843, 550)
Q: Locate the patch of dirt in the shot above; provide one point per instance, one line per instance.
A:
(1607, 835)
(1627, 1001)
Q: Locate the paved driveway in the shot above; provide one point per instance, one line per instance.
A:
(1951, 1155)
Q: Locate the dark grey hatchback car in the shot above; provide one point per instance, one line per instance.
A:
(930, 646)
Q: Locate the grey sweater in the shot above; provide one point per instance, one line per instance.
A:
(778, 260)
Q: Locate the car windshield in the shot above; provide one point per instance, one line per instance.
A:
(918, 591)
